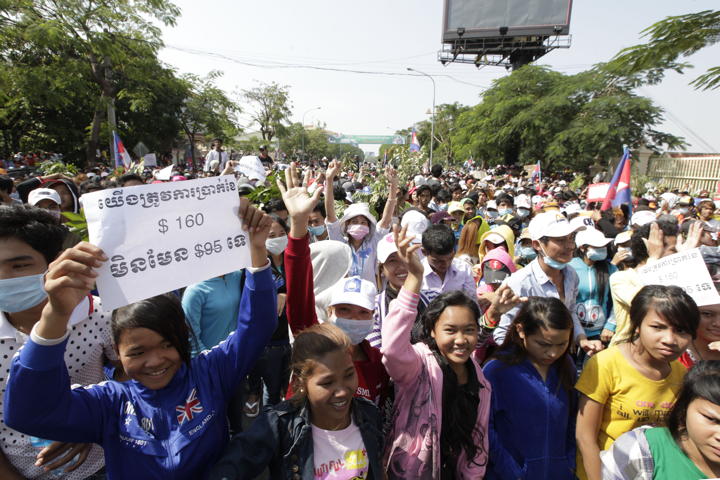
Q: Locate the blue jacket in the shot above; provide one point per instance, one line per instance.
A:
(532, 424)
(595, 313)
(281, 439)
(177, 432)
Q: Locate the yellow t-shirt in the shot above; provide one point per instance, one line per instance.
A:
(630, 398)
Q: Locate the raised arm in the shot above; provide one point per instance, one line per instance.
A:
(399, 357)
(332, 170)
(300, 305)
(391, 203)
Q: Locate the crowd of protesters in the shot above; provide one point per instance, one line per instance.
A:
(468, 325)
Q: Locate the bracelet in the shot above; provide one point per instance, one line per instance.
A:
(488, 322)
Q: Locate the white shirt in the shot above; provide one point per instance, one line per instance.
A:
(364, 260)
(457, 277)
(89, 343)
(222, 157)
(339, 454)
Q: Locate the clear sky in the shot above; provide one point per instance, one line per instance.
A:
(251, 41)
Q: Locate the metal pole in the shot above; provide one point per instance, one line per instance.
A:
(432, 119)
(302, 139)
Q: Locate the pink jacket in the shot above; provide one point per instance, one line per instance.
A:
(413, 444)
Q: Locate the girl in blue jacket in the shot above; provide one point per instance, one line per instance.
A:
(532, 418)
(169, 420)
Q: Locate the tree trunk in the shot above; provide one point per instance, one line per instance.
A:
(94, 141)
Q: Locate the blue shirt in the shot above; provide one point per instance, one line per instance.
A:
(594, 313)
(177, 432)
(211, 308)
(532, 281)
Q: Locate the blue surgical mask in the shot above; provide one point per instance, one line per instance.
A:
(552, 263)
(597, 254)
(21, 293)
(317, 231)
(527, 253)
(491, 214)
(504, 211)
(357, 330)
(523, 212)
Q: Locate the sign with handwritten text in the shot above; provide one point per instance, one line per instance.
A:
(686, 270)
(165, 236)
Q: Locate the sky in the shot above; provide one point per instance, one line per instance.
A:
(252, 42)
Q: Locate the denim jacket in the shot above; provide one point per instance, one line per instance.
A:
(281, 439)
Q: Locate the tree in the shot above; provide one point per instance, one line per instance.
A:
(574, 120)
(207, 109)
(271, 107)
(670, 39)
(106, 36)
(446, 116)
(314, 144)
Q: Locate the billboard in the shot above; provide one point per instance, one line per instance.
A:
(474, 19)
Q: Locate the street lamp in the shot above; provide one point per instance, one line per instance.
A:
(432, 122)
(303, 127)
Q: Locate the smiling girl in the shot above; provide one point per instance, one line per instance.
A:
(442, 400)
(637, 381)
(323, 431)
(169, 419)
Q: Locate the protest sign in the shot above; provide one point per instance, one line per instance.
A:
(165, 173)
(150, 160)
(165, 236)
(686, 270)
(252, 168)
(597, 192)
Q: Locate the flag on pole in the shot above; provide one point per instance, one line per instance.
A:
(122, 157)
(619, 191)
(414, 144)
(536, 175)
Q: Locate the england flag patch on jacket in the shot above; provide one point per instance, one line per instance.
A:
(185, 413)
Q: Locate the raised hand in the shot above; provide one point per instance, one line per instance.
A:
(406, 252)
(393, 180)
(654, 243)
(298, 201)
(332, 170)
(257, 224)
(693, 237)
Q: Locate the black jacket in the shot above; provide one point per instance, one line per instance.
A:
(281, 439)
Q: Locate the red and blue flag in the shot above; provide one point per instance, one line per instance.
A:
(414, 144)
(536, 175)
(619, 190)
(122, 157)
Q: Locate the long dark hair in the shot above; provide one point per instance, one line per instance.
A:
(670, 302)
(539, 313)
(702, 381)
(456, 427)
(602, 273)
(163, 315)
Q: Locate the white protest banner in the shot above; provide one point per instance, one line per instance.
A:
(165, 236)
(597, 192)
(251, 167)
(686, 270)
(150, 160)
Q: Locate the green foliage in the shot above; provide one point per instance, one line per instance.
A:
(567, 121)
(49, 167)
(670, 39)
(264, 193)
(271, 107)
(313, 143)
(77, 223)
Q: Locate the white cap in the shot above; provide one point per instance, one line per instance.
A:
(386, 247)
(562, 183)
(573, 208)
(522, 201)
(419, 180)
(582, 222)
(592, 237)
(495, 238)
(491, 204)
(39, 194)
(354, 291)
(623, 237)
(550, 224)
(455, 207)
(416, 223)
(643, 217)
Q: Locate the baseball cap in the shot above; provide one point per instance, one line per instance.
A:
(354, 291)
(416, 223)
(495, 238)
(525, 234)
(592, 237)
(386, 247)
(573, 208)
(494, 271)
(39, 194)
(582, 222)
(550, 224)
(491, 204)
(643, 217)
(623, 237)
(455, 207)
(439, 217)
(522, 201)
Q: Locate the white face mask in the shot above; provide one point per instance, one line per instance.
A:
(357, 330)
(276, 245)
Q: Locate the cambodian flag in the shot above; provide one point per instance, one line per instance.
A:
(122, 157)
(619, 191)
(414, 144)
(536, 175)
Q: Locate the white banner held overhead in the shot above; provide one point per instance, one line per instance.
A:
(165, 236)
(686, 270)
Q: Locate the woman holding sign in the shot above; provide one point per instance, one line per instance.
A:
(169, 420)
